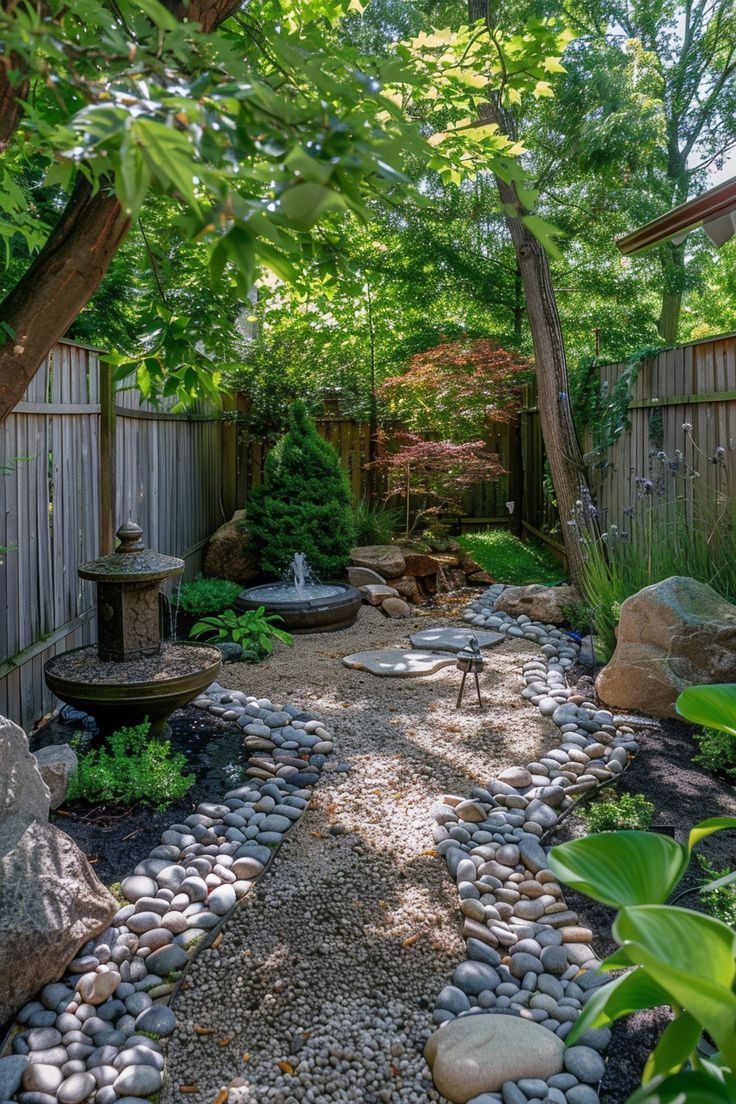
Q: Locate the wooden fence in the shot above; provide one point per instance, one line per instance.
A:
(691, 385)
(76, 459)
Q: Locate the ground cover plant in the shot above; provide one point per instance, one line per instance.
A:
(206, 596)
(614, 813)
(131, 768)
(509, 560)
(255, 631)
(303, 504)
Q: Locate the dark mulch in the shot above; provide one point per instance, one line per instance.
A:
(116, 839)
(683, 793)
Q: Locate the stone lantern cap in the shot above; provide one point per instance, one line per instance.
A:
(131, 562)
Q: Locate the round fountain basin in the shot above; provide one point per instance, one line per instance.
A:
(312, 608)
(127, 693)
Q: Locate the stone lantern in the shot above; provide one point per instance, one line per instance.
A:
(128, 600)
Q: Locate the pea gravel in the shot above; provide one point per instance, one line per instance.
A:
(323, 985)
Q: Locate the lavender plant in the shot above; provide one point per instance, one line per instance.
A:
(676, 525)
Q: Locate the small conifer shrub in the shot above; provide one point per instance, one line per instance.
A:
(303, 503)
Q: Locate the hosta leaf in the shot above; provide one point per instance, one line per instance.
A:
(677, 1043)
(691, 1087)
(621, 868)
(707, 828)
(712, 706)
(629, 993)
(689, 955)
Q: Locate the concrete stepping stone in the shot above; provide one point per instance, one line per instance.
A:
(398, 662)
(453, 640)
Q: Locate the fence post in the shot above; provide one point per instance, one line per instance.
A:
(229, 456)
(108, 443)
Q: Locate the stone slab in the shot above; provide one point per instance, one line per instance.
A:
(398, 663)
(453, 640)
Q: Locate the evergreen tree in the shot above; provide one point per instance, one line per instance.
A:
(303, 503)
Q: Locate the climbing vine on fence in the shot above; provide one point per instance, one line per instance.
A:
(603, 411)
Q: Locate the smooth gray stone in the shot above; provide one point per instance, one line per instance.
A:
(159, 1020)
(76, 1088)
(137, 1080)
(139, 1056)
(452, 999)
(473, 977)
(166, 959)
(582, 1094)
(398, 662)
(453, 640)
(585, 1063)
(12, 1069)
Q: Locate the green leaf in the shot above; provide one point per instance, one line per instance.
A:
(691, 1087)
(304, 204)
(691, 956)
(674, 1048)
(707, 828)
(711, 706)
(628, 993)
(621, 868)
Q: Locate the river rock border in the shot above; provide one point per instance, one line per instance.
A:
(95, 1035)
(528, 956)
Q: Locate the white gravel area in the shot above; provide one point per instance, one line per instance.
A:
(323, 985)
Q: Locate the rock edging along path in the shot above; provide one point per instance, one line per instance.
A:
(529, 959)
(95, 1035)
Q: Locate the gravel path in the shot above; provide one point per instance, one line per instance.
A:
(324, 983)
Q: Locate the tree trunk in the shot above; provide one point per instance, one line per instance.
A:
(60, 281)
(555, 413)
(66, 273)
(558, 429)
(672, 259)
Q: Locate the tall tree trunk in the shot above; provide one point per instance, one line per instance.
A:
(373, 406)
(672, 259)
(67, 271)
(555, 413)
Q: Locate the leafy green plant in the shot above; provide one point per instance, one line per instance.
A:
(204, 596)
(375, 523)
(717, 751)
(303, 503)
(131, 769)
(721, 901)
(254, 630)
(509, 560)
(610, 814)
(673, 956)
(579, 616)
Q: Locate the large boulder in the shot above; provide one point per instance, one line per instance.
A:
(386, 560)
(24, 796)
(478, 1054)
(541, 603)
(56, 764)
(51, 902)
(229, 555)
(420, 563)
(671, 635)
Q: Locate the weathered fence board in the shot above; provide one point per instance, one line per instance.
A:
(689, 385)
(162, 470)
